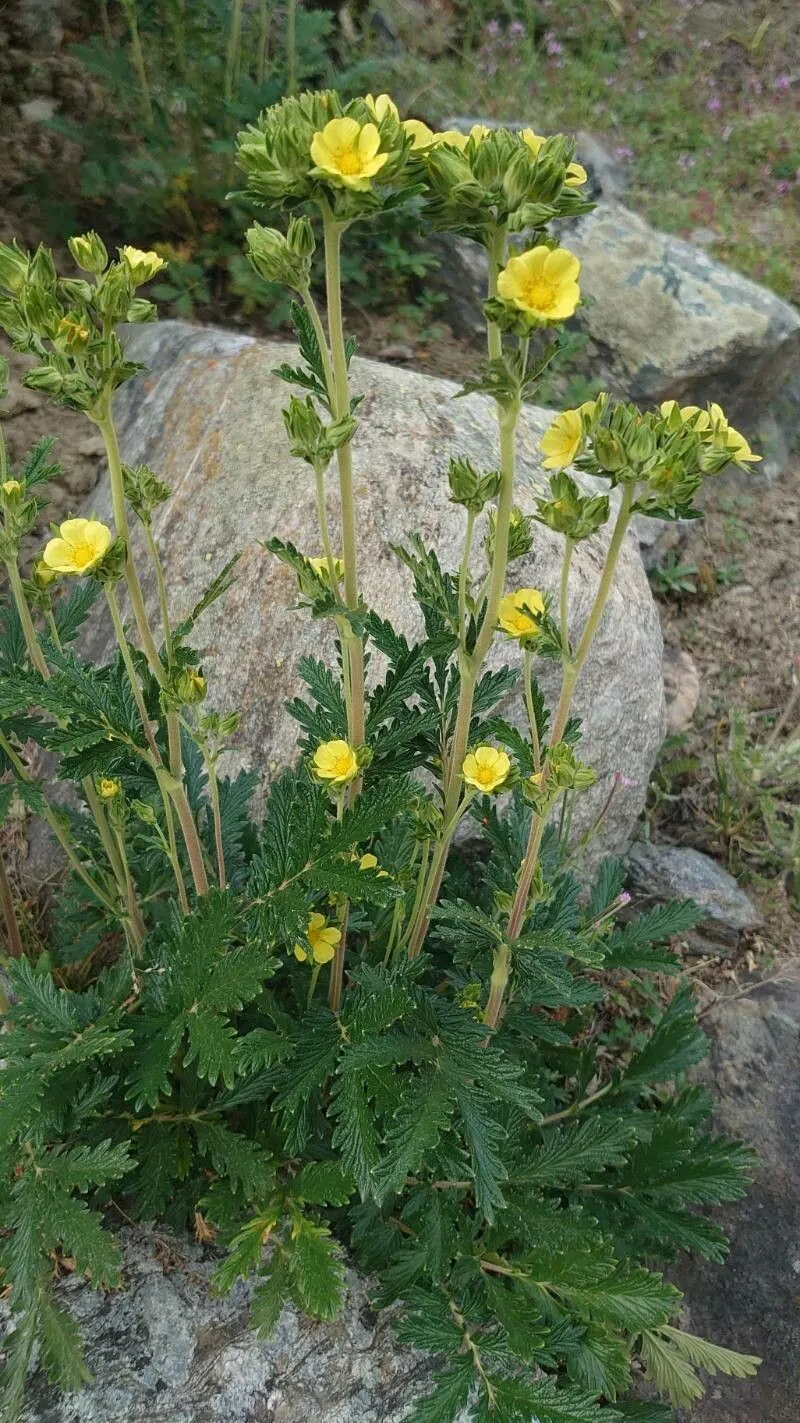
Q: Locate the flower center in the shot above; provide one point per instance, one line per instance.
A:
(485, 774)
(349, 161)
(341, 763)
(82, 554)
(539, 294)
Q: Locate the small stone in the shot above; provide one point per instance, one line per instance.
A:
(681, 689)
(398, 351)
(659, 873)
(38, 111)
(20, 399)
(92, 448)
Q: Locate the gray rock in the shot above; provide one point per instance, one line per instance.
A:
(754, 1073)
(681, 688)
(667, 321)
(658, 538)
(166, 1350)
(208, 419)
(38, 111)
(659, 873)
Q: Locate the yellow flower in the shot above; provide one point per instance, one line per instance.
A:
(421, 136)
(519, 612)
(381, 107)
(543, 281)
(83, 543)
(320, 567)
(336, 762)
(109, 787)
(370, 862)
(576, 173)
(714, 422)
(459, 140)
(739, 447)
(143, 266)
(73, 333)
(562, 441)
(486, 768)
(12, 488)
(348, 151)
(323, 939)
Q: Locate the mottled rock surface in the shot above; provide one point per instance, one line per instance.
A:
(681, 688)
(166, 1350)
(659, 873)
(754, 1073)
(208, 419)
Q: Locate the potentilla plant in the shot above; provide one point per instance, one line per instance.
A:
(333, 1031)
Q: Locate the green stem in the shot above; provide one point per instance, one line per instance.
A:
(264, 18)
(104, 830)
(233, 54)
(324, 531)
(463, 578)
(15, 945)
(313, 983)
(130, 668)
(291, 47)
(163, 600)
(563, 604)
(501, 970)
(134, 913)
(354, 648)
(172, 851)
(51, 819)
(137, 59)
(194, 849)
(35, 654)
(107, 428)
(53, 630)
(419, 925)
(571, 673)
(531, 710)
(576, 1107)
(213, 791)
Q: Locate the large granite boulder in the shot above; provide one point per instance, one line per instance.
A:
(208, 418)
(166, 1350)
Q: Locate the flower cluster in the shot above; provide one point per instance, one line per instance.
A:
(60, 318)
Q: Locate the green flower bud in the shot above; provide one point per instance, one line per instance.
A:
(309, 438)
(14, 264)
(469, 488)
(274, 259)
(43, 576)
(609, 451)
(73, 334)
(45, 378)
(113, 293)
(141, 310)
(570, 513)
(89, 253)
(190, 687)
(42, 270)
(144, 491)
(300, 237)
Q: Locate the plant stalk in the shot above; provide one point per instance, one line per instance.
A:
(15, 946)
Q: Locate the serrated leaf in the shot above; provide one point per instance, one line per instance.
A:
(315, 1269)
(355, 1136)
(415, 1130)
(712, 1357)
(449, 1396)
(322, 1183)
(577, 1152)
(630, 1299)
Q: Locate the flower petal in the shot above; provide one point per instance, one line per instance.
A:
(561, 266)
(369, 141)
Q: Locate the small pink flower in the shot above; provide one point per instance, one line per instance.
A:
(624, 781)
(714, 104)
(623, 899)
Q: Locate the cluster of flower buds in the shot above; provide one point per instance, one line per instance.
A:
(577, 516)
(520, 535)
(279, 257)
(144, 491)
(58, 319)
(310, 439)
(665, 453)
(470, 488)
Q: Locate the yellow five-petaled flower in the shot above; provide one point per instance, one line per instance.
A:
(486, 768)
(109, 787)
(81, 545)
(323, 939)
(335, 762)
(348, 151)
(519, 612)
(714, 422)
(561, 442)
(542, 282)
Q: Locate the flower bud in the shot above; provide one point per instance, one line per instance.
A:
(142, 266)
(274, 259)
(45, 378)
(89, 253)
(300, 237)
(609, 451)
(190, 687)
(43, 576)
(14, 265)
(469, 488)
(42, 270)
(73, 333)
(141, 310)
(13, 492)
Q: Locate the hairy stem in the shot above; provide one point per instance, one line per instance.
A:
(34, 651)
(213, 791)
(163, 600)
(107, 428)
(353, 649)
(15, 946)
(130, 668)
(137, 60)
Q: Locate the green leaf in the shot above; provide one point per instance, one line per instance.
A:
(450, 1395)
(670, 1371)
(223, 581)
(245, 1251)
(484, 1137)
(423, 1114)
(245, 1163)
(269, 1297)
(355, 1136)
(315, 1269)
(711, 1357)
(633, 1299)
(322, 1183)
(69, 614)
(675, 1045)
(60, 1345)
(575, 1153)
